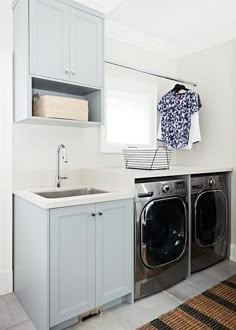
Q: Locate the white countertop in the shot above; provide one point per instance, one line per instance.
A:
(50, 203)
(118, 182)
(173, 171)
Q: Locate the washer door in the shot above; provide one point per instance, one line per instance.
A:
(163, 231)
(210, 217)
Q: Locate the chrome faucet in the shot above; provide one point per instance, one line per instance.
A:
(64, 157)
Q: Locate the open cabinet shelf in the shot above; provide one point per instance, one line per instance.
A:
(42, 86)
(59, 122)
(94, 96)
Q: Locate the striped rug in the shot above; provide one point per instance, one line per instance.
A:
(213, 309)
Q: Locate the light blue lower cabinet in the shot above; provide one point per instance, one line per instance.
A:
(91, 257)
(72, 262)
(114, 250)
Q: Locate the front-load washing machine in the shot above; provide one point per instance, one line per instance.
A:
(161, 235)
(210, 221)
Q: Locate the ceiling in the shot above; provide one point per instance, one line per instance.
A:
(170, 27)
(104, 6)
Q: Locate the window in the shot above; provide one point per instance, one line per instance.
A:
(130, 110)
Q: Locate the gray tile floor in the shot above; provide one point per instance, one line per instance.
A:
(12, 315)
(129, 317)
(125, 316)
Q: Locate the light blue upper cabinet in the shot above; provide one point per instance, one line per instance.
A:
(58, 47)
(86, 48)
(49, 39)
(66, 43)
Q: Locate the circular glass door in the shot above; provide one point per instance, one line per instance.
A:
(210, 217)
(163, 231)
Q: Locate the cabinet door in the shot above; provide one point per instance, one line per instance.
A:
(114, 250)
(86, 48)
(49, 39)
(72, 262)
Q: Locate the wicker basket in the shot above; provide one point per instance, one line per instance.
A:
(51, 106)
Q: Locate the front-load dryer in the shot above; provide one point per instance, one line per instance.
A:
(210, 221)
(161, 235)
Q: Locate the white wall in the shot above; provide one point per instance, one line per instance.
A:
(5, 147)
(214, 70)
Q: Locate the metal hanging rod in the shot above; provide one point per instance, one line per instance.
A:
(153, 74)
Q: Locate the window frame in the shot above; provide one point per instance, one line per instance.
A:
(134, 83)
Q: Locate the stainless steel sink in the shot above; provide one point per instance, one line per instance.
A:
(70, 193)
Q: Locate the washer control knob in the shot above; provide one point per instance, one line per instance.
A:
(166, 188)
(211, 182)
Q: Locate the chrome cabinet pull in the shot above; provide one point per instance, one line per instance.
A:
(93, 214)
(100, 213)
(67, 71)
(74, 72)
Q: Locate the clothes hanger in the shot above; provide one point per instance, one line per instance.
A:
(178, 88)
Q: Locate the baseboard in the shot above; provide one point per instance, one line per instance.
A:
(233, 252)
(5, 283)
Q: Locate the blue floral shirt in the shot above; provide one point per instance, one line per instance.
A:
(176, 111)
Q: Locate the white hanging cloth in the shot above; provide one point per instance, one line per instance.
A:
(195, 132)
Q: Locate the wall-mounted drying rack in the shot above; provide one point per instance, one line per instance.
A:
(153, 74)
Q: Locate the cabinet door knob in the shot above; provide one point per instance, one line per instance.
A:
(74, 72)
(93, 214)
(100, 213)
(67, 71)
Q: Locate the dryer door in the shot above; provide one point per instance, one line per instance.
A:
(163, 231)
(210, 217)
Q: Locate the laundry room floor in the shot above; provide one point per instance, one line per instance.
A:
(126, 316)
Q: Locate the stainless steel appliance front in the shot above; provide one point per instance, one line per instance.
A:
(161, 235)
(210, 221)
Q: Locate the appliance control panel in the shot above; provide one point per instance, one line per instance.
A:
(207, 182)
(166, 188)
(180, 187)
(211, 182)
(151, 190)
